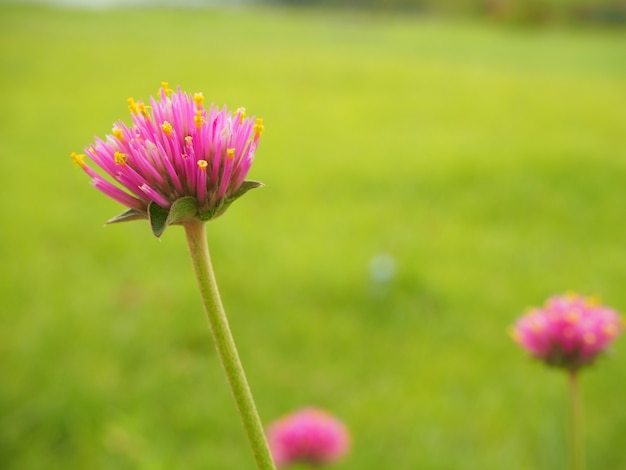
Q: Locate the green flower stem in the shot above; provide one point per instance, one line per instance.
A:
(577, 448)
(218, 323)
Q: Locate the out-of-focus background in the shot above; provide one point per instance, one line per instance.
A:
(432, 169)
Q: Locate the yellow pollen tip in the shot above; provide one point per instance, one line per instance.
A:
(79, 158)
(117, 133)
(592, 301)
(132, 106)
(259, 127)
(230, 153)
(120, 158)
(242, 114)
(167, 128)
(203, 164)
(198, 118)
(164, 87)
(143, 109)
(198, 98)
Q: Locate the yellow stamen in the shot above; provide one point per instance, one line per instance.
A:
(79, 159)
(242, 114)
(198, 118)
(120, 158)
(592, 301)
(132, 106)
(230, 153)
(512, 332)
(117, 133)
(167, 91)
(203, 164)
(188, 140)
(167, 128)
(143, 109)
(198, 98)
(258, 128)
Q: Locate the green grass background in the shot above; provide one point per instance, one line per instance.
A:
(489, 162)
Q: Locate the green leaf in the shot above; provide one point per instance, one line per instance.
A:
(216, 211)
(244, 188)
(182, 209)
(130, 214)
(158, 218)
(220, 209)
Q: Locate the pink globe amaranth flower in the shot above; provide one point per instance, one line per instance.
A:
(570, 331)
(177, 161)
(308, 436)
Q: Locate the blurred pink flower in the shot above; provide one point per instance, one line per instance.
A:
(308, 436)
(175, 149)
(570, 331)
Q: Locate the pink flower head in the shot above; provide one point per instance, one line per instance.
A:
(308, 436)
(175, 150)
(570, 331)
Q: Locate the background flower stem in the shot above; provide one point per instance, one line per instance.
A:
(218, 323)
(576, 425)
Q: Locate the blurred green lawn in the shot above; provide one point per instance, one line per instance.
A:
(490, 163)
